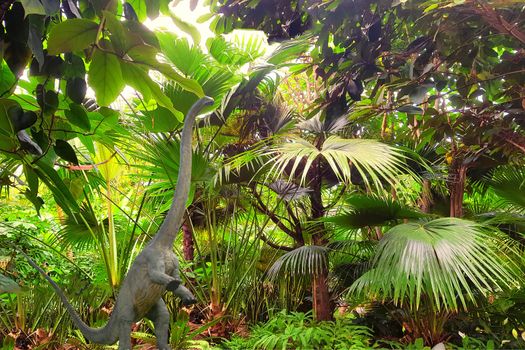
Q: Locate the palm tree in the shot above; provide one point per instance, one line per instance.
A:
(434, 268)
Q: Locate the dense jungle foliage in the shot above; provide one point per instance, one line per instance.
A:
(358, 183)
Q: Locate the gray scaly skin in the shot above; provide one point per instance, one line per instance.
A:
(155, 269)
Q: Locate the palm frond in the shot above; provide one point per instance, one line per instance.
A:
(289, 50)
(193, 63)
(303, 262)
(447, 262)
(238, 48)
(186, 58)
(8, 167)
(161, 159)
(375, 161)
(288, 191)
(316, 125)
(82, 229)
(372, 211)
(509, 184)
(243, 166)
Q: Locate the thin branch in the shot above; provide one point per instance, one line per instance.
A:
(272, 244)
(499, 23)
(276, 220)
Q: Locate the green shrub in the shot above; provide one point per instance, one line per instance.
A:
(298, 331)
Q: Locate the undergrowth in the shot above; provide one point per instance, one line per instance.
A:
(297, 330)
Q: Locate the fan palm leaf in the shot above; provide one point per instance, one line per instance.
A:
(82, 229)
(303, 262)
(161, 159)
(375, 161)
(509, 184)
(447, 261)
(238, 48)
(372, 211)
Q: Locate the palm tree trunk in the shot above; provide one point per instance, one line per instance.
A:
(456, 185)
(425, 201)
(321, 297)
(188, 247)
(320, 292)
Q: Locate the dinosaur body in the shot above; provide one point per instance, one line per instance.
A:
(154, 270)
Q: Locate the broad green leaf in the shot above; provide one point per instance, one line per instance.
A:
(65, 151)
(105, 77)
(76, 89)
(146, 55)
(7, 285)
(72, 35)
(105, 5)
(409, 109)
(6, 126)
(205, 17)
(141, 34)
(76, 114)
(187, 28)
(33, 7)
(23, 120)
(51, 6)
(7, 79)
(31, 178)
(118, 32)
(138, 78)
(160, 120)
(140, 8)
(153, 8)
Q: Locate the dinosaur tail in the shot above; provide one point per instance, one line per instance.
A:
(104, 335)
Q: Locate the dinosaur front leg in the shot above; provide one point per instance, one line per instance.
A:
(185, 295)
(161, 319)
(157, 274)
(178, 288)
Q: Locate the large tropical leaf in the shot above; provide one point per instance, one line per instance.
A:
(375, 161)
(447, 262)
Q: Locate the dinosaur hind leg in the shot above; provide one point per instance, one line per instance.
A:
(124, 335)
(161, 319)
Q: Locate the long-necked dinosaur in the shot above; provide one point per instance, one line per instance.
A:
(155, 269)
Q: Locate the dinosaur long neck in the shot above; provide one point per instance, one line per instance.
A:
(169, 228)
(104, 335)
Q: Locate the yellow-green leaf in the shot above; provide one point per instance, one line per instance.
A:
(138, 78)
(105, 77)
(72, 35)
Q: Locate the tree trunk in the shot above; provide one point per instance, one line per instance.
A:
(188, 247)
(425, 201)
(456, 184)
(321, 296)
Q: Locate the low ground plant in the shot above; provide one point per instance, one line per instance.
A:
(296, 330)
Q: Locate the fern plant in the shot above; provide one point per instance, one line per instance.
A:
(298, 330)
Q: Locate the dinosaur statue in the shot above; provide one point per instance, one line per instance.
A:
(154, 270)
